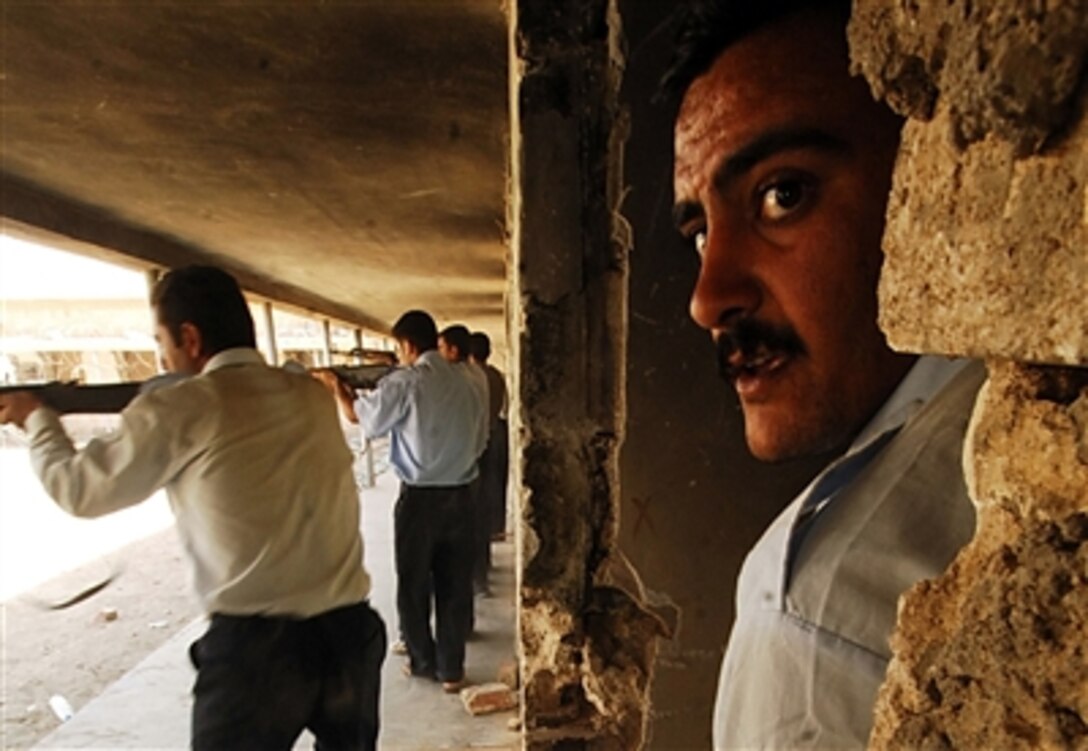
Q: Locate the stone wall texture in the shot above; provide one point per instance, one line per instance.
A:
(987, 256)
(987, 240)
(587, 643)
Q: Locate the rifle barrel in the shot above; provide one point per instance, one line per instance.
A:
(95, 399)
(110, 398)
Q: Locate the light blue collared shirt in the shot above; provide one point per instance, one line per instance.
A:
(431, 413)
(792, 677)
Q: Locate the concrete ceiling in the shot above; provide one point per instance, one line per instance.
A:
(344, 156)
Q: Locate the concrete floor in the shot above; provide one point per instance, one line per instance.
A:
(148, 708)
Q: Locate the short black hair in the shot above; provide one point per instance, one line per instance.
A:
(210, 299)
(417, 328)
(479, 346)
(457, 336)
(706, 28)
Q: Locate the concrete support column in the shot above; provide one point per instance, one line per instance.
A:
(586, 644)
(270, 335)
(326, 326)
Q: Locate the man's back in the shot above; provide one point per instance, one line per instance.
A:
(281, 465)
(259, 478)
(431, 411)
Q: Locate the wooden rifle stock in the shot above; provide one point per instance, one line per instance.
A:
(110, 398)
(69, 398)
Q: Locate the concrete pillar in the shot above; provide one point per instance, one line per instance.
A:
(326, 354)
(270, 335)
(987, 256)
(586, 642)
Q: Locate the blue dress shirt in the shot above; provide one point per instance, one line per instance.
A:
(431, 413)
(816, 597)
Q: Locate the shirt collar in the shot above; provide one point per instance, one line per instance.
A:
(925, 378)
(234, 356)
(429, 356)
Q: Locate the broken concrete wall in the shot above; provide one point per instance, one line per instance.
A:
(987, 255)
(586, 642)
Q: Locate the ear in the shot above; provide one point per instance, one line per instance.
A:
(191, 342)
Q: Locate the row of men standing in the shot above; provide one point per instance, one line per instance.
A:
(443, 413)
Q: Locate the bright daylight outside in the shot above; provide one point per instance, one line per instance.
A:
(64, 317)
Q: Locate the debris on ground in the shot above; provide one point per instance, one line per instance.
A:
(488, 697)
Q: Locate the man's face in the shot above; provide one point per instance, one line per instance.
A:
(783, 167)
(447, 350)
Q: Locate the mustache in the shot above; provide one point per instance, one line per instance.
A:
(753, 339)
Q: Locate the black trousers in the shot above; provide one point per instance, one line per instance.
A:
(481, 531)
(433, 534)
(262, 680)
(496, 466)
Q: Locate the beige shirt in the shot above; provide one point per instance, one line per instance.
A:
(258, 475)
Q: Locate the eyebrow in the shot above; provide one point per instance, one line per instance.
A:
(766, 145)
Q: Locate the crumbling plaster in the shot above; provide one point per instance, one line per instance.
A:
(586, 640)
(987, 240)
(1009, 68)
(987, 255)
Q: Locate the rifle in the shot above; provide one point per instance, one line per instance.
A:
(109, 398)
(361, 377)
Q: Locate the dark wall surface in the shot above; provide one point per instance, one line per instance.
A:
(694, 500)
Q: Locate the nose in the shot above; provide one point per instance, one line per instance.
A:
(726, 287)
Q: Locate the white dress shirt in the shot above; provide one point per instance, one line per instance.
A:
(257, 473)
(816, 597)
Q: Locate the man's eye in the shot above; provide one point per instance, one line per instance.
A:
(779, 200)
(699, 241)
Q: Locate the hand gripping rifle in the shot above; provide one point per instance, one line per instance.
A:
(108, 398)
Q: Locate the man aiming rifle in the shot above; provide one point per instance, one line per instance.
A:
(260, 481)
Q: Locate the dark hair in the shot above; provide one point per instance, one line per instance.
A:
(208, 298)
(418, 329)
(457, 336)
(706, 28)
(479, 346)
